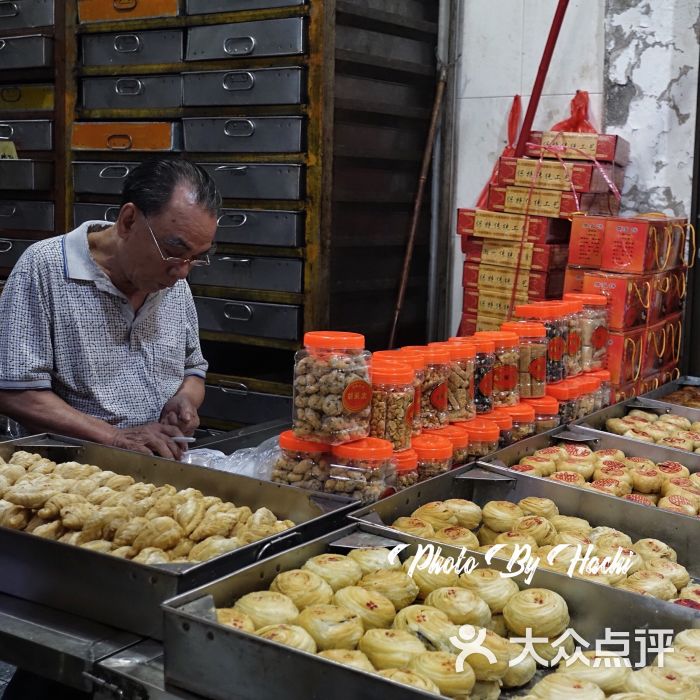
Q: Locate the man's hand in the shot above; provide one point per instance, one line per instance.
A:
(181, 413)
(151, 438)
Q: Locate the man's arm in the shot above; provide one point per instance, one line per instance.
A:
(181, 409)
(44, 411)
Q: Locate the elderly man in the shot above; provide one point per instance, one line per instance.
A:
(98, 329)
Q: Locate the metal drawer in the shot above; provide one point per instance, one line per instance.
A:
(28, 135)
(16, 14)
(133, 48)
(201, 7)
(244, 135)
(249, 227)
(26, 175)
(100, 177)
(11, 250)
(273, 37)
(234, 403)
(280, 321)
(94, 212)
(259, 181)
(261, 86)
(251, 272)
(144, 92)
(27, 216)
(34, 51)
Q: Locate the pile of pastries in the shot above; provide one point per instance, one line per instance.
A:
(668, 485)
(535, 521)
(688, 396)
(667, 430)
(83, 505)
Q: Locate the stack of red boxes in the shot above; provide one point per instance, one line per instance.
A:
(640, 264)
(521, 239)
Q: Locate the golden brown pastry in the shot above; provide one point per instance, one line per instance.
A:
(559, 686)
(181, 549)
(487, 536)
(441, 669)
(50, 531)
(140, 490)
(53, 505)
(608, 676)
(331, 626)
(129, 531)
(584, 469)
(543, 507)
(543, 466)
(214, 524)
(289, 635)
(646, 480)
(162, 507)
(415, 527)
(100, 495)
(13, 516)
(33, 494)
(651, 583)
(462, 606)
(119, 482)
(689, 638)
(267, 608)
(515, 538)
(406, 677)
(151, 556)
(24, 459)
(456, 536)
(678, 503)
(426, 580)
(373, 559)
(162, 532)
(430, 625)
(662, 683)
(573, 538)
(548, 651)
(540, 529)
(303, 587)
(374, 609)
(567, 523)
(349, 657)
(468, 513)
(397, 586)
(610, 454)
(213, 547)
(569, 478)
(490, 586)
(649, 548)
(231, 617)
(189, 514)
(70, 537)
(489, 670)
(501, 516)
(102, 546)
(683, 659)
(498, 625)
(12, 472)
(75, 470)
(122, 552)
(390, 648)
(437, 514)
(103, 523)
(540, 610)
(522, 672)
(337, 570)
(42, 466)
(628, 556)
(678, 575)
(607, 537)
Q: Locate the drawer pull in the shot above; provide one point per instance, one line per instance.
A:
(111, 214)
(233, 169)
(237, 261)
(127, 43)
(3, 44)
(11, 94)
(239, 45)
(7, 131)
(237, 388)
(119, 142)
(8, 9)
(117, 172)
(124, 5)
(5, 245)
(7, 210)
(129, 86)
(239, 127)
(236, 220)
(238, 312)
(240, 80)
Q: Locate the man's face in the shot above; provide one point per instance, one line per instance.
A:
(181, 230)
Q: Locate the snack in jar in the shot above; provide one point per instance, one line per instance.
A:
(460, 442)
(523, 421)
(460, 386)
(568, 401)
(406, 469)
(504, 421)
(532, 372)
(433, 397)
(546, 413)
(363, 470)
(416, 359)
(605, 393)
(505, 368)
(434, 455)
(590, 386)
(484, 362)
(332, 393)
(594, 330)
(553, 319)
(301, 463)
(573, 359)
(392, 402)
(483, 437)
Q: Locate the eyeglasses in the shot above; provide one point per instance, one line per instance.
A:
(197, 261)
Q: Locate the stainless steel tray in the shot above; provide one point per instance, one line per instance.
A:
(127, 595)
(209, 659)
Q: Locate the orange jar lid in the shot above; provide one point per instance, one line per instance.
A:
(458, 351)
(484, 345)
(289, 441)
(394, 355)
(406, 461)
(500, 339)
(589, 384)
(334, 340)
(542, 310)
(587, 299)
(602, 374)
(544, 406)
(573, 306)
(560, 391)
(461, 339)
(576, 390)
(428, 446)
(521, 412)
(436, 356)
(391, 372)
(456, 435)
(503, 420)
(480, 430)
(413, 356)
(367, 448)
(525, 329)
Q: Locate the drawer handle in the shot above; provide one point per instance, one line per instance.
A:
(111, 214)
(239, 127)
(11, 94)
(240, 80)
(3, 44)
(236, 261)
(238, 312)
(127, 43)
(9, 9)
(237, 388)
(124, 5)
(233, 169)
(7, 211)
(239, 45)
(119, 142)
(129, 86)
(237, 220)
(5, 245)
(7, 131)
(117, 172)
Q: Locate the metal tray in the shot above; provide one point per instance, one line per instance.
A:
(658, 396)
(133, 48)
(254, 227)
(133, 92)
(18, 15)
(127, 595)
(207, 658)
(28, 134)
(32, 51)
(244, 135)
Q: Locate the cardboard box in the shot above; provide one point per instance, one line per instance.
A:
(626, 356)
(607, 148)
(540, 202)
(586, 242)
(468, 324)
(668, 292)
(573, 279)
(490, 302)
(479, 223)
(527, 256)
(658, 349)
(629, 297)
(537, 285)
(559, 175)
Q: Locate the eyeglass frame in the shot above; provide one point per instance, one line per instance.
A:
(172, 260)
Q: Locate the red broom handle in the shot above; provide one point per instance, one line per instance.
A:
(541, 77)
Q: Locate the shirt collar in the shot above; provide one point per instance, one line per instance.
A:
(78, 264)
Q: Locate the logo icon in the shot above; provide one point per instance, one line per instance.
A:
(470, 641)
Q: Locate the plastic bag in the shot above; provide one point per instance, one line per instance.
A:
(578, 121)
(201, 457)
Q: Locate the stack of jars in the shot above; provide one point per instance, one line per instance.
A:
(506, 366)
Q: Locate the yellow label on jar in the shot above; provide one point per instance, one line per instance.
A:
(493, 224)
(577, 146)
(554, 175)
(538, 202)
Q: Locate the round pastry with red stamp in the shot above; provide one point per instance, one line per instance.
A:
(570, 478)
(613, 487)
(672, 469)
(678, 504)
(639, 499)
(609, 454)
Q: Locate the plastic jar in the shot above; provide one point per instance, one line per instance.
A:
(406, 469)
(594, 330)
(590, 386)
(301, 463)
(532, 371)
(470, 412)
(552, 317)
(546, 413)
(363, 470)
(573, 359)
(504, 421)
(392, 402)
(434, 455)
(484, 362)
(567, 401)
(460, 385)
(483, 437)
(433, 397)
(523, 421)
(605, 393)
(332, 393)
(460, 442)
(416, 359)
(506, 367)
